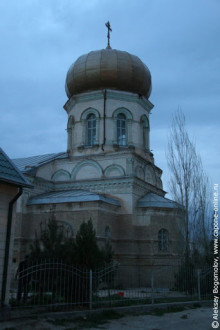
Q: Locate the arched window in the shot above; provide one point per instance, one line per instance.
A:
(163, 240)
(145, 130)
(91, 129)
(121, 130)
(107, 235)
(65, 228)
(70, 127)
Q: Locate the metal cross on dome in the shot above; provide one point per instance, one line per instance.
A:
(108, 35)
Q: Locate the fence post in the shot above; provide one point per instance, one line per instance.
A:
(152, 287)
(198, 280)
(90, 289)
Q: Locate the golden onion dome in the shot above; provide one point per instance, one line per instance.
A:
(108, 69)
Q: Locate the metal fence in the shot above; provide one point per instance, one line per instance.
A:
(54, 285)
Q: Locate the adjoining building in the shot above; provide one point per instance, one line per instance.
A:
(108, 172)
(12, 183)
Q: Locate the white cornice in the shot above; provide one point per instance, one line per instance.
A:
(111, 94)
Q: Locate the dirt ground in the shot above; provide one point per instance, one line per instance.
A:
(194, 319)
(190, 319)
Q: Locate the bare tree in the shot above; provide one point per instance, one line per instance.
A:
(188, 184)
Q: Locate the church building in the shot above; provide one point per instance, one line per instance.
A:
(108, 172)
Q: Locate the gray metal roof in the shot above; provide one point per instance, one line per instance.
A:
(25, 164)
(70, 196)
(154, 200)
(10, 173)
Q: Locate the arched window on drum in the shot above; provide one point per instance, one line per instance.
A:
(70, 131)
(163, 240)
(91, 129)
(121, 130)
(145, 132)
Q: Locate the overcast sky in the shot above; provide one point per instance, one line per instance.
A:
(179, 41)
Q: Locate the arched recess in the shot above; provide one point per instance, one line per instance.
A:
(139, 172)
(145, 131)
(87, 169)
(122, 118)
(114, 170)
(90, 135)
(61, 175)
(159, 182)
(150, 175)
(70, 132)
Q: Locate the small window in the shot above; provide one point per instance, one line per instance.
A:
(121, 129)
(70, 126)
(107, 235)
(145, 130)
(91, 129)
(163, 240)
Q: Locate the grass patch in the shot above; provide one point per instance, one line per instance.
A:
(197, 305)
(173, 309)
(171, 299)
(170, 309)
(157, 312)
(116, 300)
(185, 316)
(89, 321)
